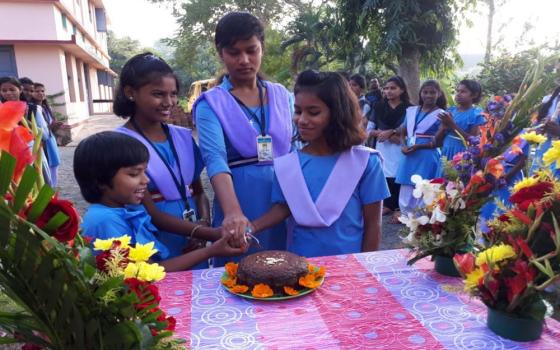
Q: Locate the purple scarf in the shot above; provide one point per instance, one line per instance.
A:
(157, 171)
(334, 196)
(237, 127)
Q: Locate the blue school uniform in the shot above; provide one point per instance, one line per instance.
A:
(345, 235)
(465, 120)
(103, 222)
(252, 183)
(545, 146)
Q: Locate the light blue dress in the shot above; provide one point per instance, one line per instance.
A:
(103, 222)
(465, 120)
(175, 242)
(252, 183)
(345, 235)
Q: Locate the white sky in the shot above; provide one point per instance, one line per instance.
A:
(148, 23)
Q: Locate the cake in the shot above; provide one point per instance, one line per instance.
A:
(275, 268)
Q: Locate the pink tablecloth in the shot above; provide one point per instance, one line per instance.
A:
(368, 301)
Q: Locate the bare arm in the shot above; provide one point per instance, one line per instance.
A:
(372, 226)
(234, 219)
(202, 203)
(275, 215)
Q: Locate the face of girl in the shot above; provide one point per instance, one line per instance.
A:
(9, 92)
(311, 116)
(128, 186)
(243, 59)
(39, 94)
(155, 100)
(429, 95)
(463, 96)
(392, 91)
(356, 89)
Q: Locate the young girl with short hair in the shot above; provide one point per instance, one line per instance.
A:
(334, 188)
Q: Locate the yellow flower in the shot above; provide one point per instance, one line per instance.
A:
(533, 137)
(525, 182)
(495, 254)
(472, 279)
(105, 244)
(131, 270)
(144, 271)
(553, 154)
(142, 252)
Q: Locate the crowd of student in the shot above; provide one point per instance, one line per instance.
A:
(323, 198)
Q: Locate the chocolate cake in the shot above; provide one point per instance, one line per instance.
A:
(276, 268)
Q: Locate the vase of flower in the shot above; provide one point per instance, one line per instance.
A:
(444, 265)
(513, 327)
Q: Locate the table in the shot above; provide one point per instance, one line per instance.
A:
(368, 301)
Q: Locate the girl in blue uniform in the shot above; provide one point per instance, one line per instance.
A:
(243, 123)
(422, 155)
(333, 188)
(146, 94)
(463, 120)
(548, 115)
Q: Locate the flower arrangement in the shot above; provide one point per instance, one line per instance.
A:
(310, 281)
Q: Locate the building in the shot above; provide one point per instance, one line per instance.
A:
(62, 44)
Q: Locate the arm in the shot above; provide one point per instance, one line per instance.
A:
(275, 215)
(516, 168)
(372, 226)
(202, 203)
(447, 120)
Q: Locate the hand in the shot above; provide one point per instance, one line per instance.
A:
(374, 133)
(236, 224)
(446, 119)
(396, 139)
(384, 135)
(552, 128)
(224, 247)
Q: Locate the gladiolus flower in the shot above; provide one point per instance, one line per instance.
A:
(465, 262)
(495, 168)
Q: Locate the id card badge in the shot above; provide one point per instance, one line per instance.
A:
(264, 148)
(189, 215)
(411, 141)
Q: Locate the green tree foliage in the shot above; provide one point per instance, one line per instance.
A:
(121, 49)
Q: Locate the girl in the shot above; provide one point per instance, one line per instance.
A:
(418, 136)
(238, 122)
(50, 146)
(463, 120)
(333, 187)
(110, 169)
(388, 115)
(358, 85)
(548, 115)
(146, 94)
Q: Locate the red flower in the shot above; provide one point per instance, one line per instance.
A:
(517, 284)
(528, 195)
(103, 257)
(67, 231)
(465, 262)
(439, 180)
(524, 247)
(495, 168)
(171, 323)
(146, 292)
(15, 138)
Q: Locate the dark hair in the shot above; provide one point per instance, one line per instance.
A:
(400, 83)
(38, 85)
(17, 83)
(45, 103)
(25, 81)
(360, 80)
(99, 157)
(138, 71)
(441, 101)
(474, 87)
(235, 26)
(344, 129)
(543, 109)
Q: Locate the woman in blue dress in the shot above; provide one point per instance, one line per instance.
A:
(243, 123)
(548, 115)
(463, 120)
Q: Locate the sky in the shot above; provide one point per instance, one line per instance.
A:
(148, 23)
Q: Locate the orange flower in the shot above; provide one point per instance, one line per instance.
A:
(290, 291)
(495, 168)
(239, 289)
(14, 138)
(231, 269)
(321, 273)
(230, 282)
(311, 268)
(309, 281)
(262, 291)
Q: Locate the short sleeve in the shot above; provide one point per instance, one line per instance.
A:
(373, 186)
(104, 225)
(477, 119)
(211, 139)
(277, 197)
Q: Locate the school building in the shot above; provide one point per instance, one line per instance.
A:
(62, 44)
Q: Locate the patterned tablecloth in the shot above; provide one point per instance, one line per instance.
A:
(368, 301)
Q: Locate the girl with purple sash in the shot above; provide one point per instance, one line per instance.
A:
(334, 188)
(421, 152)
(231, 118)
(146, 94)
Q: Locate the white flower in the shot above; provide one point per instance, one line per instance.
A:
(438, 215)
(424, 189)
(458, 204)
(451, 189)
(412, 223)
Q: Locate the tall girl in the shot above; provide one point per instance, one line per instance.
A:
(146, 94)
(463, 120)
(421, 152)
(388, 115)
(243, 123)
(333, 187)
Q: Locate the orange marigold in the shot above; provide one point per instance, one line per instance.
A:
(321, 273)
(230, 282)
(311, 268)
(262, 291)
(231, 269)
(290, 291)
(239, 288)
(309, 281)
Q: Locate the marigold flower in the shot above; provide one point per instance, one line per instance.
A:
(231, 269)
(552, 155)
(239, 288)
(142, 252)
(309, 281)
(495, 254)
(106, 244)
(144, 271)
(262, 291)
(533, 138)
(525, 182)
(290, 291)
(230, 282)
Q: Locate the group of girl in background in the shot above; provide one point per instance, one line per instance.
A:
(326, 198)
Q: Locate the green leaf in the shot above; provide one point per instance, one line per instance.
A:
(25, 186)
(112, 283)
(40, 203)
(8, 340)
(8, 166)
(56, 221)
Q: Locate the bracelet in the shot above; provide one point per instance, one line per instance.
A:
(194, 230)
(205, 220)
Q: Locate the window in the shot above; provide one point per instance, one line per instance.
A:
(64, 22)
(74, 29)
(70, 76)
(100, 20)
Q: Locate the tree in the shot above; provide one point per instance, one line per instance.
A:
(121, 49)
(492, 4)
(420, 35)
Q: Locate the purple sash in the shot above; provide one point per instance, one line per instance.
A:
(334, 196)
(424, 125)
(237, 127)
(157, 171)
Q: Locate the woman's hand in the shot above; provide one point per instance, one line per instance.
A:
(235, 224)
(447, 120)
(385, 134)
(225, 247)
(408, 150)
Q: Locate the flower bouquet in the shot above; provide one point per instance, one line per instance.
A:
(523, 259)
(62, 296)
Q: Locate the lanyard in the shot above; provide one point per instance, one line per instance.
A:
(262, 121)
(416, 121)
(179, 183)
